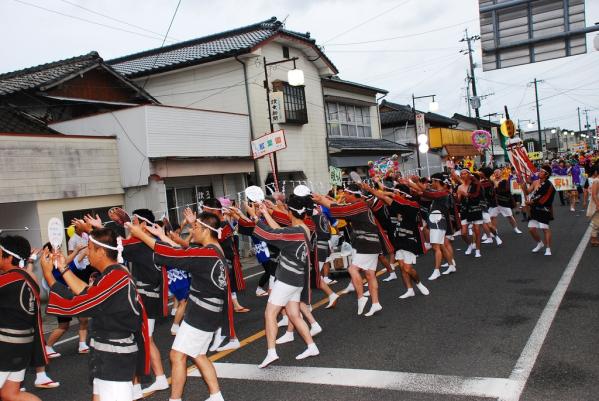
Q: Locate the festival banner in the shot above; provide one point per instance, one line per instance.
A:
(515, 188)
(335, 175)
(562, 182)
(268, 143)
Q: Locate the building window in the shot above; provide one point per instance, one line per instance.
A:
(177, 199)
(348, 120)
(285, 52)
(295, 104)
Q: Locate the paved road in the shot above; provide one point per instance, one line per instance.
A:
(495, 329)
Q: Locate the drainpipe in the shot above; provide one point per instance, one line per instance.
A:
(247, 96)
(326, 127)
(378, 115)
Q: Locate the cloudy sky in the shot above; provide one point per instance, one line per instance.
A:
(412, 46)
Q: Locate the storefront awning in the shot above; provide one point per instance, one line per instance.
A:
(461, 151)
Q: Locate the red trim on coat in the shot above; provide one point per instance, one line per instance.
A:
(191, 252)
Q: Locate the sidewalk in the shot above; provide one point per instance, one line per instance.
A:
(49, 322)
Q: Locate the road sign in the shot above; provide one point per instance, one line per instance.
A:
(268, 143)
(535, 155)
(277, 108)
(523, 31)
(420, 124)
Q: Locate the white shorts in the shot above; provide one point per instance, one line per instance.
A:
(537, 224)
(486, 218)
(500, 210)
(113, 391)
(282, 294)
(191, 341)
(151, 325)
(477, 222)
(17, 377)
(437, 236)
(365, 261)
(405, 256)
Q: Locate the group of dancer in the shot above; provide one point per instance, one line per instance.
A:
(389, 222)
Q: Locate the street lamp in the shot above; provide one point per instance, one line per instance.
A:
(295, 77)
(432, 107)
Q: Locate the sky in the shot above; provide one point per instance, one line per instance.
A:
(412, 46)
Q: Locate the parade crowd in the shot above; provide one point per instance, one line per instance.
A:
(119, 275)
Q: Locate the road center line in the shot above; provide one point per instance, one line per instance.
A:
(528, 357)
(379, 379)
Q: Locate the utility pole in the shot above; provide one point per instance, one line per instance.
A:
(469, 40)
(579, 123)
(588, 127)
(468, 94)
(536, 82)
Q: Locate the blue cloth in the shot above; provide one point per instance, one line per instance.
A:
(575, 172)
(327, 212)
(261, 249)
(178, 283)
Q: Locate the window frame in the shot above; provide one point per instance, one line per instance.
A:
(350, 123)
(294, 98)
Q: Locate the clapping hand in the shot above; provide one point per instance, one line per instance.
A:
(190, 216)
(95, 222)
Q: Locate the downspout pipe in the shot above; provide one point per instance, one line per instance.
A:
(247, 96)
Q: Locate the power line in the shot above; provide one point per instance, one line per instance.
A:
(163, 42)
(367, 21)
(410, 35)
(417, 50)
(87, 20)
(115, 19)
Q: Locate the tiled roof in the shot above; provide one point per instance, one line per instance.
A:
(405, 113)
(209, 48)
(345, 143)
(481, 122)
(14, 121)
(45, 74)
(355, 84)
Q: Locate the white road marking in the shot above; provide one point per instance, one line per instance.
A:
(528, 357)
(66, 340)
(380, 379)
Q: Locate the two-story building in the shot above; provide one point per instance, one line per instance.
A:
(44, 173)
(397, 122)
(354, 126)
(226, 72)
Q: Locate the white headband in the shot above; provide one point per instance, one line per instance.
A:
(220, 209)
(298, 211)
(144, 219)
(352, 192)
(118, 247)
(14, 255)
(218, 231)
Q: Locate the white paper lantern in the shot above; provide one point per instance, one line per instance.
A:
(422, 138)
(423, 148)
(433, 107)
(295, 77)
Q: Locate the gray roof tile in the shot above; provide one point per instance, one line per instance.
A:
(15, 121)
(345, 143)
(204, 49)
(404, 113)
(45, 74)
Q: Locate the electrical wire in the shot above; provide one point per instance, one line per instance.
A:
(367, 21)
(163, 42)
(410, 35)
(116, 19)
(87, 20)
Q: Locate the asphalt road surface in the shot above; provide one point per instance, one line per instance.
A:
(510, 326)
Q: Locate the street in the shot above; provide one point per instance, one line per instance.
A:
(496, 329)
